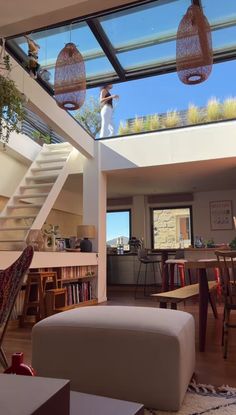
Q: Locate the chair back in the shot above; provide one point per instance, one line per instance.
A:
(11, 280)
(227, 266)
(142, 254)
(179, 254)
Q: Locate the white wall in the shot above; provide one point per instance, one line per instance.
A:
(11, 171)
(69, 201)
(141, 226)
(201, 215)
(170, 147)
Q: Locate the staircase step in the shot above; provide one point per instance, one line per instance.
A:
(55, 152)
(17, 228)
(56, 145)
(51, 160)
(32, 196)
(38, 169)
(37, 186)
(17, 217)
(25, 206)
(42, 177)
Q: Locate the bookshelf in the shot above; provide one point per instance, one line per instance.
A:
(76, 278)
(76, 288)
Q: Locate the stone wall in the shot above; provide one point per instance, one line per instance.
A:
(167, 228)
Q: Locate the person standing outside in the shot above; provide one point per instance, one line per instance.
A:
(106, 101)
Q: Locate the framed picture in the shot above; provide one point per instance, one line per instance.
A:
(221, 215)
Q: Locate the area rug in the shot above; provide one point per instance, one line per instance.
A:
(204, 400)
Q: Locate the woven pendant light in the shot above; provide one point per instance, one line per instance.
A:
(70, 79)
(194, 57)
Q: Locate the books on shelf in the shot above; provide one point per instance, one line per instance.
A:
(78, 280)
(73, 272)
(78, 292)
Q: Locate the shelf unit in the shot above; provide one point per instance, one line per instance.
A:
(76, 278)
(76, 288)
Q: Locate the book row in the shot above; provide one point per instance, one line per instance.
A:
(73, 272)
(78, 292)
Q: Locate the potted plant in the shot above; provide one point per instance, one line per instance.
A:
(229, 108)
(11, 103)
(152, 123)
(50, 234)
(124, 128)
(41, 138)
(138, 125)
(213, 110)
(193, 114)
(171, 119)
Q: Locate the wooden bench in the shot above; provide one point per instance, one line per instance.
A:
(184, 293)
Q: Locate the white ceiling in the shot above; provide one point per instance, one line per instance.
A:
(176, 178)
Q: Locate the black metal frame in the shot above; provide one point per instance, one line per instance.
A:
(107, 47)
(169, 207)
(104, 42)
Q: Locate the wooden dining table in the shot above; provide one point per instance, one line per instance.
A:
(201, 265)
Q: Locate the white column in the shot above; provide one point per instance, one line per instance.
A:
(94, 213)
(138, 218)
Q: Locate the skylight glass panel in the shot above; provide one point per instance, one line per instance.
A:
(217, 11)
(224, 38)
(51, 42)
(143, 25)
(148, 57)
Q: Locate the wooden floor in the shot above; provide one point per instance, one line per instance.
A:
(210, 365)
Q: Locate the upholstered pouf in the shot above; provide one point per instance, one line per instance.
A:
(140, 354)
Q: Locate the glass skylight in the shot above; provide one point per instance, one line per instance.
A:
(131, 43)
(141, 30)
(51, 41)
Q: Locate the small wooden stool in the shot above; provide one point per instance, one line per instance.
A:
(56, 301)
(36, 287)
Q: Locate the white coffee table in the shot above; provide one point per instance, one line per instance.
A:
(85, 404)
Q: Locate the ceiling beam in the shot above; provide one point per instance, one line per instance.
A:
(106, 46)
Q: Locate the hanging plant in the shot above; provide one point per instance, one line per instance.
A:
(11, 101)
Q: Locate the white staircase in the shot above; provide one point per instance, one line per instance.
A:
(35, 196)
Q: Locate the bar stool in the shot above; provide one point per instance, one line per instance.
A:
(145, 259)
(36, 285)
(179, 266)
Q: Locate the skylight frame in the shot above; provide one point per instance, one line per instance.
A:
(121, 74)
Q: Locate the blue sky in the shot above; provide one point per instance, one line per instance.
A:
(117, 225)
(160, 94)
(166, 92)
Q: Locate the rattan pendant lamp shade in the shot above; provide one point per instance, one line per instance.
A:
(194, 57)
(70, 78)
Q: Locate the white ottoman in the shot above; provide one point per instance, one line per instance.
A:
(137, 354)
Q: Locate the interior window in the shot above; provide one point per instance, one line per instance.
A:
(171, 227)
(118, 228)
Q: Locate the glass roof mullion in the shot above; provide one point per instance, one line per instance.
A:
(107, 47)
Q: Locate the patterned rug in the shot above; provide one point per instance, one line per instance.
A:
(204, 400)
